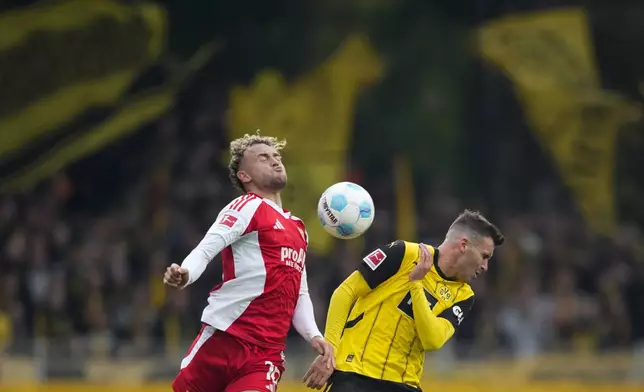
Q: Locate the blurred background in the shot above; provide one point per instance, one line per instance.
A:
(115, 118)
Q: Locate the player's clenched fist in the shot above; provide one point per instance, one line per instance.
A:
(175, 276)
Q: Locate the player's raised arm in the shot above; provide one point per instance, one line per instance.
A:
(374, 269)
(233, 222)
(433, 331)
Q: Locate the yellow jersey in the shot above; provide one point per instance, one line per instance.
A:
(380, 338)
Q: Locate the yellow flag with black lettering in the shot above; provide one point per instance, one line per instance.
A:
(549, 57)
(315, 114)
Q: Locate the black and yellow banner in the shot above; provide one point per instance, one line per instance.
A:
(315, 114)
(59, 60)
(550, 58)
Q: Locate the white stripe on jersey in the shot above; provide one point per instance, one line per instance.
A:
(226, 304)
(232, 298)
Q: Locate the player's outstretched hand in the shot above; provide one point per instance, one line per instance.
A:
(176, 276)
(318, 374)
(423, 266)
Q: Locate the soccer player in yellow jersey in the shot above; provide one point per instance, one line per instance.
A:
(404, 299)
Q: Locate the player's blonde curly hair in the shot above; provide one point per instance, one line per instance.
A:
(240, 145)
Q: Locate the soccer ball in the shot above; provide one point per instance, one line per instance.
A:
(346, 210)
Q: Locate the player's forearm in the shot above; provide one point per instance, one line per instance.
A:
(432, 331)
(341, 301)
(304, 318)
(197, 261)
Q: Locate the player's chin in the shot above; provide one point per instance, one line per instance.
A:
(279, 181)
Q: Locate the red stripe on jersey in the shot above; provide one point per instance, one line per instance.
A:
(217, 287)
(228, 267)
(228, 264)
(243, 204)
(237, 202)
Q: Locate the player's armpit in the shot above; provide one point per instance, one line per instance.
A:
(382, 263)
(342, 299)
(456, 314)
(432, 331)
(231, 224)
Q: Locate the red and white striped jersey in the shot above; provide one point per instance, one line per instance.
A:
(263, 249)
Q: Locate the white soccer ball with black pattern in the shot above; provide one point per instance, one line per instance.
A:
(346, 210)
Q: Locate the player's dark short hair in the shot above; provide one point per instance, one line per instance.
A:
(478, 224)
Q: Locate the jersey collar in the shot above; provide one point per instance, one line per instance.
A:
(438, 270)
(284, 212)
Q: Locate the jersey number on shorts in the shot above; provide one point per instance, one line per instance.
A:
(406, 307)
(273, 375)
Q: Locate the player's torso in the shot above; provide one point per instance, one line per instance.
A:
(282, 241)
(380, 338)
(262, 273)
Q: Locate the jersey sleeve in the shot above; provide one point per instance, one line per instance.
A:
(235, 220)
(382, 263)
(304, 283)
(304, 316)
(457, 312)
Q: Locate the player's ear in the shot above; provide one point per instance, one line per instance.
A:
(463, 244)
(243, 177)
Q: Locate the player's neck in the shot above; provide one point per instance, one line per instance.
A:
(446, 261)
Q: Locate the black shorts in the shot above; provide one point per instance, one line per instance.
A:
(353, 382)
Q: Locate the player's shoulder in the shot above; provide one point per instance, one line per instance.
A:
(245, 204)
(298, 221)
(397, 249)
(384, 262)
(407, 250)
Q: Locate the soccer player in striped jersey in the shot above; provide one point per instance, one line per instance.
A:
(404, 299)
(264, 289)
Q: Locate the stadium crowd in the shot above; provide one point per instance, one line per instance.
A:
(82, 257)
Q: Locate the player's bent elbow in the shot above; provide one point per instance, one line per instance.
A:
(433, 344)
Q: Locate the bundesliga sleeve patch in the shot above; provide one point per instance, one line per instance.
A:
(375, 258)
(228, 220)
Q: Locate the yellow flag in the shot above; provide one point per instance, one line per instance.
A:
(59, 58)
(549, 56)
(405, 200)
(125, 120)
(315, 114)
(6, 331)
